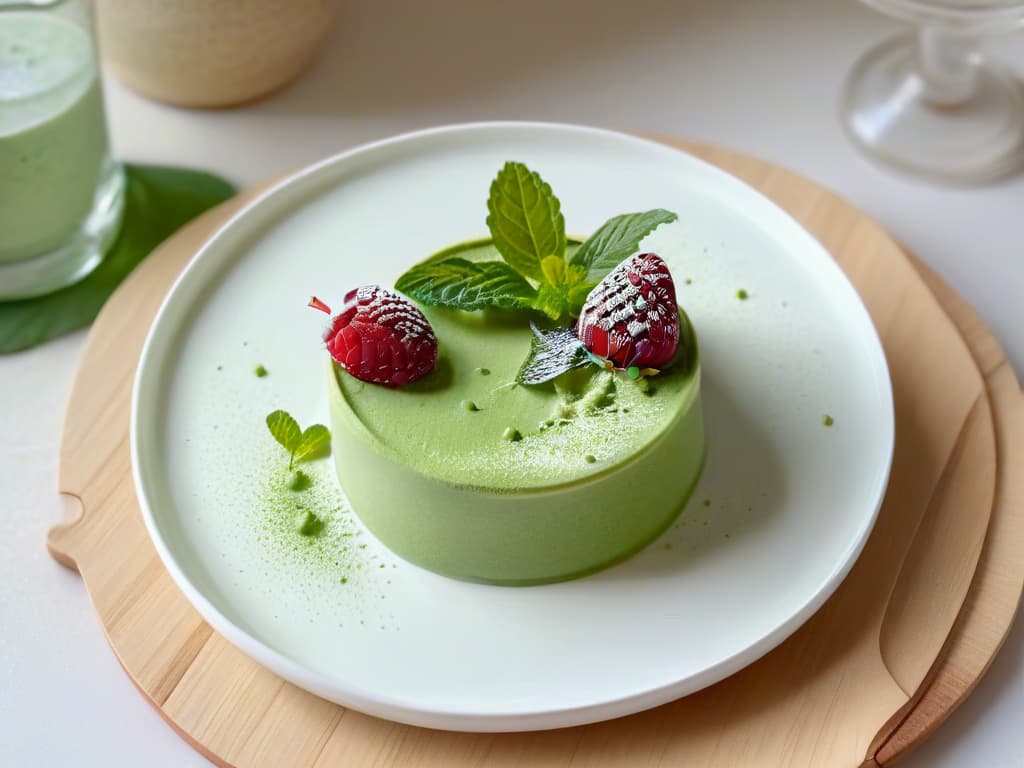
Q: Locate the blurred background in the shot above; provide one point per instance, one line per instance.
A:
(761, 76)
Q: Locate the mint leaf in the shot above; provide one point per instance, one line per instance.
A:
(617, 239)
(525, 219)
(285, 430)
(315, 442)
(552, 353)
(462, 284)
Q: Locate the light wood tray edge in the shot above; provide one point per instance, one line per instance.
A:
(999, 578)
(940, 694)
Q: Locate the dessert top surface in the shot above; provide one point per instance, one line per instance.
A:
(469, 423)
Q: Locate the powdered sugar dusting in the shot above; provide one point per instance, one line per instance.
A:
(383, 307)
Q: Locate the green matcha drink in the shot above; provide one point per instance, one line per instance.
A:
(475, 476)
(54, 164)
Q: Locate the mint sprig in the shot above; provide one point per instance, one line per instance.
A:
(301, 445)
(528, 230)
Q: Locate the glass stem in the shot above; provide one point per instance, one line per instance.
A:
(947, 62)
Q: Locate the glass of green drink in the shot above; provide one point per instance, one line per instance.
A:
(61, 194)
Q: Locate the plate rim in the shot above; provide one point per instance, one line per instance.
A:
(396, 709)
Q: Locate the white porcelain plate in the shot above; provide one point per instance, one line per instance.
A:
(782, 512)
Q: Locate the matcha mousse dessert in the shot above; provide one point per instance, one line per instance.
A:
(535, 416)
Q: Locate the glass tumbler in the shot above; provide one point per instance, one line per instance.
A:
(61, 194)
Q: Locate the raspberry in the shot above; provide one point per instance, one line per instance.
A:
(380, 337)
(631, 317)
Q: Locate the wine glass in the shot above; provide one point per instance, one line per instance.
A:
(929, 103)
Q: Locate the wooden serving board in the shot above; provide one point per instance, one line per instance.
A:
(889, 656)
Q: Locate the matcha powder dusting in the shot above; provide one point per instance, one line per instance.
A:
(303, 523)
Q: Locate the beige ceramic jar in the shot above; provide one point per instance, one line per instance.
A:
(210, 53)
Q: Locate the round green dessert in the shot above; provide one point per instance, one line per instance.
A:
(472, 475)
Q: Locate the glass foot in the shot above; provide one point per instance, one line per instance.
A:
(74, 260)
(895, 113)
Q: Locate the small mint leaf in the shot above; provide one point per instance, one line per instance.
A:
(468, 285)
(617, 239)
(552, 353)
(525, 219)
(563, 291)
(315, 442)
(285, 430)
(550, 300)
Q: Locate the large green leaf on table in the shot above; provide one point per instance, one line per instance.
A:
(158, 201)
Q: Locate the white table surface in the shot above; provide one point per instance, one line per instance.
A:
(762, 77)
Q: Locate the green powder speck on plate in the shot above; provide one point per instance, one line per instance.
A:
(827, 420)
(260, 371)
(308, 524)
